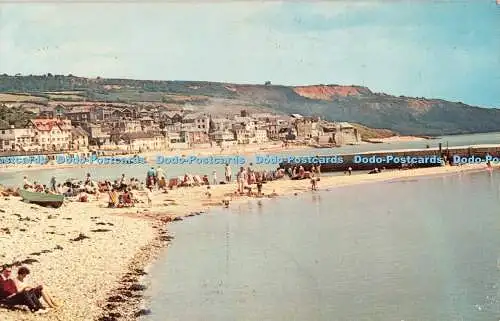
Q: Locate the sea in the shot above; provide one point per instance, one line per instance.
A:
(15, 178)
(422, 249)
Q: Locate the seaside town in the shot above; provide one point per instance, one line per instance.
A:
(140, 128)
(278, 160)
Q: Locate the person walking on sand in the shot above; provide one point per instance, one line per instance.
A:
(87, 178)
(53, 184)
(314, 183)
(240, 179)
(160, 172)
(227, 172)
(151, 177)
(214, 176)
(149, 195)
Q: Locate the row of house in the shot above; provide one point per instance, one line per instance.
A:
(44, 135)
(133, 128)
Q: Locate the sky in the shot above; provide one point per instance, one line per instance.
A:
(446, 49)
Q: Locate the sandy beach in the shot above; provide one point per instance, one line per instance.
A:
(92, 275)
(398, 139)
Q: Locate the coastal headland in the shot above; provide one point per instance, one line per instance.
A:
(92, 258)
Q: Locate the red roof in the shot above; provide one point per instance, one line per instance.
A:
(47, 124)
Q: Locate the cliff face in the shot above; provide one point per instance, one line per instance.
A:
(406, 115)
(328, 92)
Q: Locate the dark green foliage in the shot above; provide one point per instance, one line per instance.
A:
(14, 116)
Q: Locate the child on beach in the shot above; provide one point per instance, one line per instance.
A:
(313, 183)
(214, 175)
(149, 195)
(240, 178)
(225, 202)
(227, 172)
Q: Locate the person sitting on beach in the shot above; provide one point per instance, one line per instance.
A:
(88, 188)
(133, 197)
(10, 297)
(38, 291)
(207, 193)
(40, 188)
(273, 194)
(113, 198)
(122, 182)
(302, 171)
(83, 197)
(127, 199)
(69, 191)
(26, 183)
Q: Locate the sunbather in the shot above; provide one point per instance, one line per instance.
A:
(38, 291)
(10, 297)
(113, 198)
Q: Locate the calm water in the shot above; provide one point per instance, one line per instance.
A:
(425, 249)
(114, 172)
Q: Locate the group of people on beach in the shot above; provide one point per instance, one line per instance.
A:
(122, 191)
(15, 291)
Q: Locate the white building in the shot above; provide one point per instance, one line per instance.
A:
(52, 134)
(17, 139)
(260, 136)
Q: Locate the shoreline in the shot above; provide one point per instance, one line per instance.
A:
(142, 303)
(117, 273)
